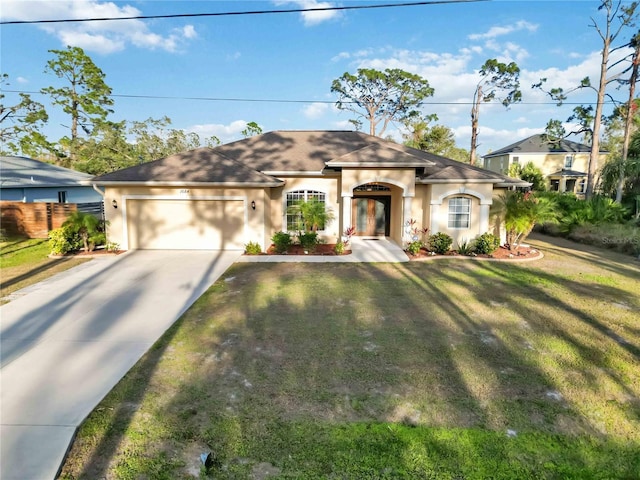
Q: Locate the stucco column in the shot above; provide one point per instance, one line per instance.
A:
(434, 215)
(484, 218)
(406, 217)
(346, 213)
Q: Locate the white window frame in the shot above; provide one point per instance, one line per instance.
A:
(306, 193)
(568, 161)
(458, 213)
(516, 160)
(581, 186)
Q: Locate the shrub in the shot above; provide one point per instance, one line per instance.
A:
(281, 241)
(89, 228)
(348, 233)
(308, 240)
(252, 248)
(440, 242)
(414, 247)
(112, 247)
(339, 248)
(465, 247)
(486, 244)
(64, 240)
(595, 211)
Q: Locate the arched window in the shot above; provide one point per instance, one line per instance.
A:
(294, 220)
(459, 212)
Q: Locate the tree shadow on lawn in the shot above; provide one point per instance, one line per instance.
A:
(33, 272)
(615, 262)
(550, 327)
(13, 246)
(311, 367)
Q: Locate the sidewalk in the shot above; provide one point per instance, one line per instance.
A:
(363, 250)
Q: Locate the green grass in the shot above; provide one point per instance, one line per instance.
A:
(25, 261)
(442, 370)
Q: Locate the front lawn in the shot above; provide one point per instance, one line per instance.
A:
(25, 261)
(443, 370)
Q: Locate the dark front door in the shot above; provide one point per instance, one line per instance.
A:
(372, 215)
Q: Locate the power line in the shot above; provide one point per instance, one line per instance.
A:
(246, 12)
(281, 100)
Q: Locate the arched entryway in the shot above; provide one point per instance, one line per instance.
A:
(371, 209)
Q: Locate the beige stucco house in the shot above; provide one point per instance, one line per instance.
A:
(225, 197)
(564, 164)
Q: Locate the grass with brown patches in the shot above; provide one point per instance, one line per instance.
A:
(420, 370)
(25, 261)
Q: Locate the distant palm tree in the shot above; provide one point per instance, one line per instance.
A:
(520, 212)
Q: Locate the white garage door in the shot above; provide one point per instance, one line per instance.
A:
(185, 224)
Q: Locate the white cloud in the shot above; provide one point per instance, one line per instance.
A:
(454, 77)
(22, 80)
(226, 133)
(101, 37)
(343, 125)
(189, 31)
(315, 110)
(312, 18)
(497, 137)
(501, 30)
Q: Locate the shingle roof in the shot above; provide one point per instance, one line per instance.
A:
(538, 144)
(22, 172)
(256, 160)
(202, 165)
(568, 173)
(381, 155)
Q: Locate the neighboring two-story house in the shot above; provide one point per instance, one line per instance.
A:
(564, 164)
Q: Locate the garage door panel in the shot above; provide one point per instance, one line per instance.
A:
(185, 224)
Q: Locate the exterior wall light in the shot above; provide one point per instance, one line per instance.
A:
(253, 204)
(114, 204)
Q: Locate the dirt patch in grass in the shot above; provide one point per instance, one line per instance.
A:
(420, 370)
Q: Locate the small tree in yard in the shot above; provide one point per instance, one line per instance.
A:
(313, 214)
(520, 212)
(87, 227)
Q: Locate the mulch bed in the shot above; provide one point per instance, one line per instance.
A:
(322, 249)
(503, 253)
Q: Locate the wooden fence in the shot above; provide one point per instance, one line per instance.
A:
(34, 220)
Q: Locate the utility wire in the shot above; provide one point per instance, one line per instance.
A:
(246, 12)
(276, 100)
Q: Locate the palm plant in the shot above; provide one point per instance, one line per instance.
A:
(313, 214)
(520, 213)
(87, 227)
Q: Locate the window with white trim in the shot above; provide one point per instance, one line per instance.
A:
(582, 186)
(516, 160)
(568, 161)
(294, 220)
(459, 212)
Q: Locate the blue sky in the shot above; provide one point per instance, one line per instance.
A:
(296, 57)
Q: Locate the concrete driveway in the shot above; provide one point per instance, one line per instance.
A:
(65, 342)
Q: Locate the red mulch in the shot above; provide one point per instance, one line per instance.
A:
(501, 254)
(322, 249)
